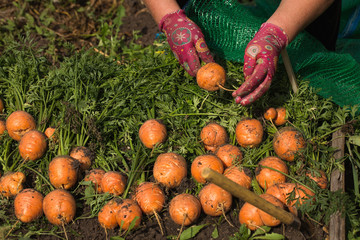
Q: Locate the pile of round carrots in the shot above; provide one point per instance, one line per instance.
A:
(169, 170)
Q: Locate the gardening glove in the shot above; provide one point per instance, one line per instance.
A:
(260, 62)
(186, 41)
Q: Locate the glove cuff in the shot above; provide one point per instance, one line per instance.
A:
(277, 32)
(168, 17)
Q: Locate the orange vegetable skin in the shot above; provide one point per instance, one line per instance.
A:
(83, 155)
(288, 142)
(204, 161)
(270, 114)
(185, 209)
(170, 169)
(95, 176)
(152, 132)
(267, 219)
(211, 77)
(11, 183)
(213, 135)
(32, 145)
(113, 182)
(107, 214)
(249, 132)
(2, 107)
(50, 133)
(128, 210)
(18, 123)
(150, 197)
(266, 176)
(241, 177)
(59, 207)
(229, 154)
(2, 127)
(28, 205)
(214, 200)
(63, 171)
(319, 177)
(281, 116)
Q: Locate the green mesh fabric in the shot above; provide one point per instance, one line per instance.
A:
(228, 26)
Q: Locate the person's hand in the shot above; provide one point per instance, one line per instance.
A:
(260, 61)
(186, 41)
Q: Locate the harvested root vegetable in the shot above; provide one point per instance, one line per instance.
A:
(319, 177)
(32, 145)
(150, 197)
(211, 77)
(128, 210)
(281, 116)
(266, 176)
(185, 209)
(107, 214)
(95, 176)
(2, 127)
(213, 135)
(50, 133)
(170, 169)
(214, 200)
(113, 182)
(2, 107)
(11, 183)
(63, 171)
(288, 142)
(59, 207)
(84, 156)
(249, 132)
(152, 133)
(205, 161)
(254, 218)
(240, 176)
(270, 114)
(18, 123)
(229, 154)
(28, 205)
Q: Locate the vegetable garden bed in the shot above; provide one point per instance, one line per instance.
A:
(97, 102)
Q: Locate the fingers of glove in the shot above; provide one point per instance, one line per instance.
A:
(257, 93)
(252, 81)
(190, 61)
(251, 52)
(203, 50)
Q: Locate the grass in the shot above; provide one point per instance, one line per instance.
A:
(94, 101)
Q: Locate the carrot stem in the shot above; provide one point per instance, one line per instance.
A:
(223, 212)
(158, 220)
(226, 89)
(182, 226)
(66, 236)
(12, 228)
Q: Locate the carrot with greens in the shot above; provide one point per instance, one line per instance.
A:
(28, 205)
(107, 214)
(63, 171)
(229, 154)
(18, 123)
(270, 171)
(113, 182)
(205, 161)
(83, 155)
(32, 145)
(95, 176)
(214, 200)
(128, 211)
(211, 77)
(11, 183)
(249, 132)
(152, 132)
(50, 133)
(213, 135)
(319, 177)
(288, 142)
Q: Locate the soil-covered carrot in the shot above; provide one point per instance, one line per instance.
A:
(128, 210)
(152, 132)
(113, 182)
(185, 209)
(18, 123)
(213, 135)
(319, 177)
(150, 197)
(249, 132)
(2, 127)
(170, 169)
(63, 171)
(211, 77)
(59, 207)
(241, 176)
(107, 214)
(11, 183)
(281, 116)
(2, 107)
(95, 176)
(32, 145)
(28, 205)
(203, 161)
(288, 142)
(270, 114)
(84, 155)
(229, 154)
(214, 200)
(266, 176)
(50, 133)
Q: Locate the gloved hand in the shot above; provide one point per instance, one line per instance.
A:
(186, 41)
(260, 62)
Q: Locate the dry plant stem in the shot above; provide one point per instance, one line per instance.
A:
(105, 55)
(11, 229)
(66, 236)
(158, 220)
(289, 70)
(226, 89)
(106, 233)
(182, 227)
(223, 212)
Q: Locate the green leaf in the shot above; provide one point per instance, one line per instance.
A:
(215, 233)
(191, 232)
(355, 140)
(272, 236)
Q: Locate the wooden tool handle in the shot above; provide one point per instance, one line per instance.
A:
(250, 197)
(289, 70)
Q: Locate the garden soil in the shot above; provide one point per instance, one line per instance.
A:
(77, 28)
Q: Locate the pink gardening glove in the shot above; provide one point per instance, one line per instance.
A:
(186, 41)
(260, 62)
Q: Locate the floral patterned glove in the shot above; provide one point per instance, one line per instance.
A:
(260, 61)
(186, 41)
